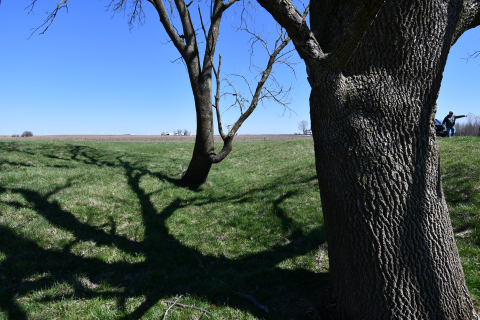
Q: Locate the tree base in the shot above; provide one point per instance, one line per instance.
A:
(198, 170)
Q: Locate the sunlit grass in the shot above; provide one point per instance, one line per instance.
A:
(102, 230)
(95, 230)
(460, 165)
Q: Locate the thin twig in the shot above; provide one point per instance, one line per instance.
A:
(199, 262)
(185, 306)
(174, 303)
(252, 300)
(93, 245)
(203, 26)
(246, 297)
(50, 15)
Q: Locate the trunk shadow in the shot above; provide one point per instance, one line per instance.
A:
(169, 268)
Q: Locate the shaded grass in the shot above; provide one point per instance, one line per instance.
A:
(101, 230)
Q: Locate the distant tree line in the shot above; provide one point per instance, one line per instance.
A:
(469, 127)
(24, 134)
(178, 132)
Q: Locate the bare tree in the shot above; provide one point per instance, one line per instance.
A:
(469, 127)
(177, 22)
(303, 125)
(186, 132)
(27, 134)
(375, 69)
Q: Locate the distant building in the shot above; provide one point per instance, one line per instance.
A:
(307, 132)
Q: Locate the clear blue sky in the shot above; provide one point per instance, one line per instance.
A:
(89, 74)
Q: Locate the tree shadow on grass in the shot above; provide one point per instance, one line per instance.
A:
(170, 268)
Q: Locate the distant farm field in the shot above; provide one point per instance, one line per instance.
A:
(101, 230)
(156, 138)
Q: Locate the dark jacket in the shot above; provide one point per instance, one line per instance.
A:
(449, 121)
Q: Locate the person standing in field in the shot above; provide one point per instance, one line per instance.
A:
(449, 122)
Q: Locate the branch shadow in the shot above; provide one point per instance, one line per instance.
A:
(169, 268)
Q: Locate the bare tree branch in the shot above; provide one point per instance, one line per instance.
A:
(50, 15)
(260, 85)
(188, 30)
(217, 97)
(261, 92)
(203, 26)
(363, 14)
(135, 14)
(285, 13)
(212, 35)
(474, 55)
(187, 45)
(239, 99)
(228, 4)
(169, 28)
(218, 9)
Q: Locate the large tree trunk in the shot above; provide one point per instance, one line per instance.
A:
(391, 246)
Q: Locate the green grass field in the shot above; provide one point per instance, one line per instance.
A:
(460, 166)
(95, 230)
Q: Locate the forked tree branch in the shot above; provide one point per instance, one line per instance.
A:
(239, 100)
(50, 15)
(168, 26)
(260, 85)
(136, 10)
(218, 9)
(188, 29)
(285, 13)
(474, 55)
(257, 97)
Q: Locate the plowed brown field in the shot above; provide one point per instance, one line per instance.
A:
(135, 138)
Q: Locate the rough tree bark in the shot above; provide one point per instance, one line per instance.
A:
(375, 69)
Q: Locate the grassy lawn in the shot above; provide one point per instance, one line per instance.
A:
(101, 231)
(460, 165)
(96, 230)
